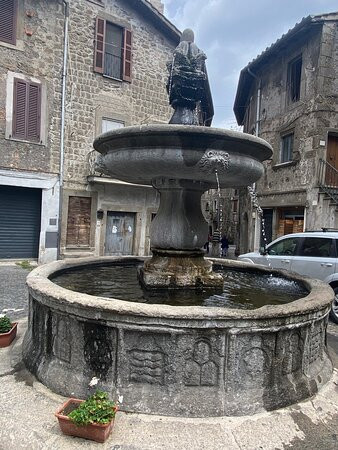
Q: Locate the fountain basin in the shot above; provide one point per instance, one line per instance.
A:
(180, 361)
(142, 154)
(181, 162)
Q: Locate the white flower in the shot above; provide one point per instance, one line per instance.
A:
(94, 381)
(120, 400)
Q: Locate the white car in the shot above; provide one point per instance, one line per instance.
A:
(313, 253)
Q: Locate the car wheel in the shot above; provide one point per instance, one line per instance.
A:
(334, 309)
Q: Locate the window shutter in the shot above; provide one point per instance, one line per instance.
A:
(8, 18)
(127, 55)
(99, 45)
(19, 109)
(33, 112)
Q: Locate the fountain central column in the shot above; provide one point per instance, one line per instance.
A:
(177, 235)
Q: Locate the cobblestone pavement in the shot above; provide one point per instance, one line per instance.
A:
(13, 290)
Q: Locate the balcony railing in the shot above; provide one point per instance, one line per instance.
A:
(328, 179)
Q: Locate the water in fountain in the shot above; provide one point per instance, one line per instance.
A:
(244, 290)
(253, 194)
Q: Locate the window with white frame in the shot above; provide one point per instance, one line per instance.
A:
(110, 124)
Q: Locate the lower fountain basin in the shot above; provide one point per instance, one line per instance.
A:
(177, 360)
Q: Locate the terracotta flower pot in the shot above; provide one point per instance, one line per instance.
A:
(7, 338)
(94, 431)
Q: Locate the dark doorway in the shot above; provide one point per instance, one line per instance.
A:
(267, 217)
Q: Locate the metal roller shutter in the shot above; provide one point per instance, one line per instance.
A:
(20, 217)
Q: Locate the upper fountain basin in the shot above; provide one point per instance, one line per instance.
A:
(140, 154)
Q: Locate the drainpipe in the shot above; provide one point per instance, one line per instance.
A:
(257, 231)
(63, 110)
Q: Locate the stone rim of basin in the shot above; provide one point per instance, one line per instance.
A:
(111, 140)
(320, 295)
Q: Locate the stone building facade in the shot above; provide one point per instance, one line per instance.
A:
(288, 96)
(30, 61)
(115, 76)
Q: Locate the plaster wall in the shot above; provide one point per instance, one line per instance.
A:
(143, 201)
(49, 185)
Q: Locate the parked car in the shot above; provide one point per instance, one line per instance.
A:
(313, 253)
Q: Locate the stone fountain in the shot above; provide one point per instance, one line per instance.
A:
(179, 360)
(181, 160)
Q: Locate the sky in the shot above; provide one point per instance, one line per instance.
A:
(232, 33)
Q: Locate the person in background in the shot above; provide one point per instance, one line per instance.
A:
(207, 244)
(216, 237)
(224, 245)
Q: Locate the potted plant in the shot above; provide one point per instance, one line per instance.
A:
(7, 331)
(90, 419)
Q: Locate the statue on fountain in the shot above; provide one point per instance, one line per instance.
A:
(187, 76)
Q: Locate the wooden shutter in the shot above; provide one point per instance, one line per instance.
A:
(78, 222)
(8, 19)
(19, 109)
(100, 32)
(127, 51)
(33, 112)
(26, 110)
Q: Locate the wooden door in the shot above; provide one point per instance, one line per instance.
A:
(78, 222)
(332, 158)
(120, 232)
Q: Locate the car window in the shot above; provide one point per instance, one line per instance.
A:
(316, 247)
(285, 247)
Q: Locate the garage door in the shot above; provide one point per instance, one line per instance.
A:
(20, 216)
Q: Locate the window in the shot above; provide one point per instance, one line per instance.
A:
(235, 206)
(26, 110)
(8, 18)
(285, 247)
(109, 124)
(286, 148)
(78, 222)
(317, 247)
(294, 78)
(112, 50)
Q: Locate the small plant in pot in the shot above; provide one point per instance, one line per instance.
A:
(90, 419)
(8, 331)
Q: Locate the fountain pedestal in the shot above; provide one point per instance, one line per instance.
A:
(179, 269)
(177, 234)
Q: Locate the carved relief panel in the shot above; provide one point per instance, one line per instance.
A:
(250, 360)
(200, 359)
(290, 351)
(62, 338)
(99, 350)
(144, 358)
(315, 345)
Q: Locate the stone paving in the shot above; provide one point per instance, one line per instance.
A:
(13, 291)
(27, 409)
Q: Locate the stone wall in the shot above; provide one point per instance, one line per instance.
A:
(92, 96)
(38, 55)
(295, 183)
